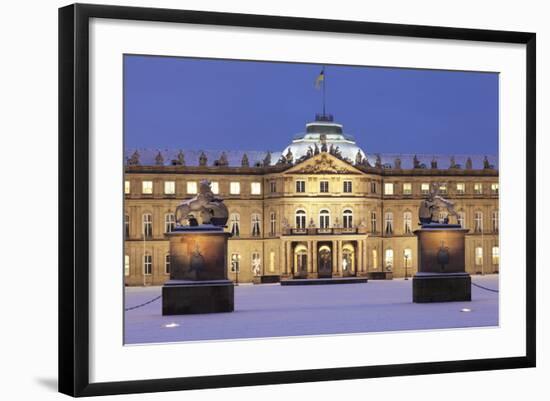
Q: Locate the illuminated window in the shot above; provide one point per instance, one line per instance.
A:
(348, 218)
(496, 255)
(407, 188)
(407, 222)
(494, 188)
(215, 187)
(478, 256)
(347, 186)
(388, 223)
(272, 223)
(169, 187)
(235, 262)
(443, 189)
(407, 257)
(373, 222)
(235, 224)
(323, 186)
(191, 187)
(169, 222)
(235, 188)
(126, 265)
(167, 263)
(147, 187)
(388, 260)
(256, 188)
(300, 186)
(272, 261)
(126, 187)
(460, 188)
(256, 264)
(273, 186)
(324, 218)
(147, 225)
(388, 188)
(300, 219)
(147, 264)
(478, 188)
(256, 224)
(478, 222)
(374, 258)
(425, 188)
(126, 226)
(462, 219)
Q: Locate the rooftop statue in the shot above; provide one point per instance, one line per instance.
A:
(267, 159)
(211, 209)
(432, 205)
(486, 163)
(469, 163)
(159, 160)
(203, 159)
(244, 161)
(434, 163)
(358, 158)
(222, 161)
(378, 163)
(180, 159)
(134, 159)
(416, 162)
(397, 163)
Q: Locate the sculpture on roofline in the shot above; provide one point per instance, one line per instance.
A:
(244, 161)
(469, 163)
(205, 204)
(134, 159)
(203, 159)
(159, 160)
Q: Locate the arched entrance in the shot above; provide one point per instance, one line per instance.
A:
(300, 261)
(348, 260)
(324, 260)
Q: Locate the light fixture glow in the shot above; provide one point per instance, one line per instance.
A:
(171, 325)
(465, 310)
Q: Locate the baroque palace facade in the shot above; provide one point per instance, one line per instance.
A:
(320, 208)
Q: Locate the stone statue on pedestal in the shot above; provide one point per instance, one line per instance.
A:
(211, 209)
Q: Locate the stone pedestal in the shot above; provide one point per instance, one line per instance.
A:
(198, 274)
(441, 273)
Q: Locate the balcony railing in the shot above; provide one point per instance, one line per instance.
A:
(322, 231)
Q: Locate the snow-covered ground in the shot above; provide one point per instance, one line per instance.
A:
(271, 310)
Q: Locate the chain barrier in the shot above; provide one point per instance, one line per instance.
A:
(143, 304)
(484, 288)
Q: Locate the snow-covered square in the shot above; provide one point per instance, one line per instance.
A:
(272, 310)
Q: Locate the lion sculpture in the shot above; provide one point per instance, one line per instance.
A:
(433, 204)
(205, 204)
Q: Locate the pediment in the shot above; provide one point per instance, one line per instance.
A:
(323, 163)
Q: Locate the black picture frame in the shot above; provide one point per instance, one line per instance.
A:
(74, 198)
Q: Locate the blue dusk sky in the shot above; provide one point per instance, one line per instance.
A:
(185, 103)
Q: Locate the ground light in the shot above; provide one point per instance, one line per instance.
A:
(465, 310)
(171, 325)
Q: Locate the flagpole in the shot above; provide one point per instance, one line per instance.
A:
(324, 90)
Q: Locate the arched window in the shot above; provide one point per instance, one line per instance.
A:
(324, 218)
(167, 263)
(462, 219)
(478, 222)
(147, 225)
(235, 224)
(300, 219)
(272, 223)
(126, 265)
(407, 257)
(256, 224)
(126, 226)
(496, 255)
(494, 221)
(169, 222)
(478, 256)
(256, 264)
(147, 264)
(373, 222)
(388, 223)
(407, 222)
(347, 217)
(388, 260)
(271, 261)
(235, 262)
(375, 258)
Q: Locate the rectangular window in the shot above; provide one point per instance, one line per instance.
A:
(388, 188)
(147, 265)
(272, 223)
(215, 186)
(443, 189)
(147, 187)
(234, 188)
(407, 188)
(126, 226)
(126, 187)
(323, 186)
(256, 188)
(167, 264)
(126, 265)
(425, 188)
(191, 187)
(273, 186)
(347, 186)
(169, 187)
(373, 187)
(147, 225)
(479, 256)
(460, 188)
(495, 221)
(494, 188)
(478, 188)
(300, 186)
(496, 255)
(271, 261)
(373, 222)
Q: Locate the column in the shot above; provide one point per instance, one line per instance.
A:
(359, 257)
(282, 259)
(314, 258)
(334, 257)
(309, 257)
(339, 265)
(289, 269)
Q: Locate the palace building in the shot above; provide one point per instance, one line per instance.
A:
(321, 207)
